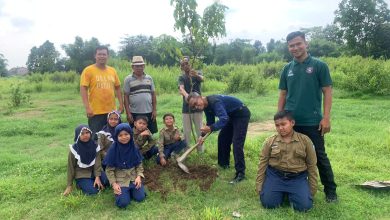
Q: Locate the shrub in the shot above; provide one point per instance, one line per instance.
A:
(17, 96)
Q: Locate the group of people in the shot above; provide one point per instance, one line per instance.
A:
(108, 152)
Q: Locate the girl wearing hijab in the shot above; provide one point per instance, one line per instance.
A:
(124, 167)
(84, 163)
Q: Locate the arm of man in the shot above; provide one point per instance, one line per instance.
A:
(154, 105)
(183, 92)
(127, 108)
(84, 97)
(282, 100)
(223, 118)
(119, 97)
(263, 163)
(324, 126)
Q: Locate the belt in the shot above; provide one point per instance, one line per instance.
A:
(285, 174)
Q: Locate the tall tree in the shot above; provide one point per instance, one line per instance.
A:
(271, 45)
(196, 29)
(259, 48)
(3, 66)
(359, 21)
(43, 58)
(81, 53)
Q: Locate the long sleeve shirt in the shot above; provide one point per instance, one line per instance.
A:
(167, 136)
(124, 176)
(76, 172)
(144, 143)
(297, 156)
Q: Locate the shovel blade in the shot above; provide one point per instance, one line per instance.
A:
(183, 167)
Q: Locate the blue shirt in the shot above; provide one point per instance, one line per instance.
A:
(220, 106)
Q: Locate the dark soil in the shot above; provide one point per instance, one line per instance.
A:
(156, 178)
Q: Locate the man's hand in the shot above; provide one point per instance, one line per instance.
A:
(116, 188)
(205, 129)
(324, 126)
(154, 115)
(120, 109)
(138, 182)
(89, 112)
(130, 118)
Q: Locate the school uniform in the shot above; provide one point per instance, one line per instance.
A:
(146, 144)
(167, 143)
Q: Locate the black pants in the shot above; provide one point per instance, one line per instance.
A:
(323, 163)
(152, 124)
(96, 123)
(234, 132)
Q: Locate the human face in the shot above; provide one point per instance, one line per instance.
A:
(185, 66)
(298, 48)
(101, 57)
(138, 69)
(140, 125)
(124, 137)
(196, 103)
(169, 121)
(284, 126)
(113, 120)
(85, 135)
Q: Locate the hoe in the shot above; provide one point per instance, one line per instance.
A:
(185, 154)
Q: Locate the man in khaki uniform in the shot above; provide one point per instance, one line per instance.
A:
(287, 167)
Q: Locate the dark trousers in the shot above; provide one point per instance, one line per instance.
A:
(323, 163)
(170, 148)
(129, 193)
(150, 153)
(96, 123)
(86, 185)
(233, 132)
(152, 124)
(104, 179)
(276, 186)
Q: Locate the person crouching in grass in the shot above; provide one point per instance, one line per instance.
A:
(287, 167)
(84, 163)
(143, 138)
(170, 141)
(124, 167)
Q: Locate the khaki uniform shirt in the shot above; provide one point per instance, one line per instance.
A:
(144, 143)
(167, 136)
(124, 176)
(76, 172)
(297, 156)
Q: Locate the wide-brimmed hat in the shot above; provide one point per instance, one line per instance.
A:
(137, 60)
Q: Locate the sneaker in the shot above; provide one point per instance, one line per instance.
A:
(331, 197)
(238, 178)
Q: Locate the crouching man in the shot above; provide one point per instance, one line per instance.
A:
(287, 167)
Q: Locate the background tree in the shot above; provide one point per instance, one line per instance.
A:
(323, 41)
(81, 53)
(3, 66)
(359, 22)
(43, 58)
(259, 48)
(196, 29)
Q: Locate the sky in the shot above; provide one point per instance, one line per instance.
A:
(28, 23)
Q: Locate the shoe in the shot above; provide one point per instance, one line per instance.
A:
(238, 178)
(225, 166)
(331, 197)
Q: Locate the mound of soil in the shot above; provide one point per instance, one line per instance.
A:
(202, 175)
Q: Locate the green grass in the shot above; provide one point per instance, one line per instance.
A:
(34, 145)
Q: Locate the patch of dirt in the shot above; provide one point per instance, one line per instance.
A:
(257, 128)
(202, 175)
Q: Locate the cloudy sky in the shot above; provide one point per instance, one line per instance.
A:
(28, 23)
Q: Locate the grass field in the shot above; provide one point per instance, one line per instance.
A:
(34, 146)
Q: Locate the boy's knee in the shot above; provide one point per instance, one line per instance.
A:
(303, 206)
(91, 191)
(269, 203)
(139, 197)
(122, 202)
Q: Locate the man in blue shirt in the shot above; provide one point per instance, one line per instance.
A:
(233, 118)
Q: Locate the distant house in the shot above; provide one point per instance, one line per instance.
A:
(18, 71)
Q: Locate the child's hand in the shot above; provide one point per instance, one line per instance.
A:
(163, 162)
(177, 137)
(138, 182)
(67, 191)
(98, 183)
(145, 133)
(116, 188)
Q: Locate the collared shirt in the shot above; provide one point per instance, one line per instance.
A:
(139, 92)
(124, 176)
(76, 172)
(167, 136)
(144, 143)
(297, 156)
(303, 83)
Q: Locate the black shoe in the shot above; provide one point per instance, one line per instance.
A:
(331, 197)
(238, 178)
(225, 166)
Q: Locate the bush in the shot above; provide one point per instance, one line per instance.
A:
(17, 96)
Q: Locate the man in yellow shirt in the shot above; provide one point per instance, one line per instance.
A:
(99, 84)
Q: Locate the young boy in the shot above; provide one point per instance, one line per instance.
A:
(287, 167)
(171, 140)
(143, 137)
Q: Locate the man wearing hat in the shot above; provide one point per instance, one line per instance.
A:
(140, 96)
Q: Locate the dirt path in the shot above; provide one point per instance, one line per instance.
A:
(257, 128)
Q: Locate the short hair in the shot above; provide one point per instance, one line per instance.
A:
(284, 114)
(192, 95)
(102, 47)
(142, 117)
(295, 34)
(168, 114)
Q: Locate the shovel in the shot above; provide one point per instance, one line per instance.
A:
(185, 154)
